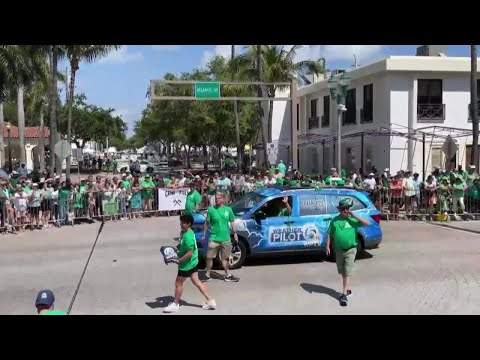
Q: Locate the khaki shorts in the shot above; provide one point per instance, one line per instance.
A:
(345, 261)
(223, 248)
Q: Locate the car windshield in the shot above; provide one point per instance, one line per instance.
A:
(246, 203)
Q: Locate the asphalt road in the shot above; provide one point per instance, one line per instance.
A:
(419, 269)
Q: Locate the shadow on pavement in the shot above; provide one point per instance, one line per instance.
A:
(319, 289)
(362, 255)
(285, 260)
(163, 301)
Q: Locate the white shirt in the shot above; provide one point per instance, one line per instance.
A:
(271, 181)
(370, 182)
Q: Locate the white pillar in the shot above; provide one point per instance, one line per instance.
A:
(412, 114)
(29, 156)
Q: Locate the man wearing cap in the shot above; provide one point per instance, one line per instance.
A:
(343, 232)
(45, 304)
(370, 181)
(194, 200)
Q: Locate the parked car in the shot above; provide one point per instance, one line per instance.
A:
(262, 233)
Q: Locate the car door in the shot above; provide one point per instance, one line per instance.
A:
(314, 220)
(279, 233)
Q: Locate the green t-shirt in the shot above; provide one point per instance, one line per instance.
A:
(83, 188)
(27, 189)
(283, 212)
(193, 199)
(63, 195)
(127, 184)
(469, 178)
(188, 242)
(53, 312)
(293, 183)
(147, 193)
(219, 219)
(280, 181)
(343, 231)
(167, 181)
(458, 191)
(259, 184)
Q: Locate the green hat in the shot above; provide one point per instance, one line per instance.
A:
(345, 203)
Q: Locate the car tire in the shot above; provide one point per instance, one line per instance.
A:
(332, 256)
(237, 260)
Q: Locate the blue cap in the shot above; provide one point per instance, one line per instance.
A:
(45, 298)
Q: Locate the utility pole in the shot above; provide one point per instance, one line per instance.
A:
(474, 105)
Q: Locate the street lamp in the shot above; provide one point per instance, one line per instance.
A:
(9, 131)
(338, 92)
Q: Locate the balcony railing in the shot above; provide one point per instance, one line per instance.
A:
(429, 112)
(470, 114)
(313, 123)
(325, 121)
(366, 115)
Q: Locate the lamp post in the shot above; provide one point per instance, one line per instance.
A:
(9, 131)
(338, 92)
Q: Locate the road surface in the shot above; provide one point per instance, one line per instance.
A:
(419, 269)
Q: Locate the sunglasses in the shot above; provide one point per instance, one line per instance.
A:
(343, 208)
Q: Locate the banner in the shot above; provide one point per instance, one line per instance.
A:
(172, 199)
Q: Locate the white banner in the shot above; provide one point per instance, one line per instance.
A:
(172, 199)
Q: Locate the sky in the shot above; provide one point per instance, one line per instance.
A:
(120, 80)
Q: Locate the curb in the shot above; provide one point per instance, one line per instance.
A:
(454, 227)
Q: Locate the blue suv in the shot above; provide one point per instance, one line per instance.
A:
(261, 232)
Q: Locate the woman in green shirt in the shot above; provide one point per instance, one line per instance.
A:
(46, 189)
(458, 193)
(445, 196)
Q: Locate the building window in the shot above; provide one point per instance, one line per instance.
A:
(367, 111)
(326, 111)
(430, 100)
(313, 107)
(349, 117)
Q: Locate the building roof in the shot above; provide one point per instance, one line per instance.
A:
(436, 64)
(32, 132)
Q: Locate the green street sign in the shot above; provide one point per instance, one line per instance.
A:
(207, 90)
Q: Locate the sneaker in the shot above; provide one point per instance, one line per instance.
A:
(171, 308)
(231, 278)
(209, 305)
(206, 278)
(343, 300)
(349, 293)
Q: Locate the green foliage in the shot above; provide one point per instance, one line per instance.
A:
(93, 123)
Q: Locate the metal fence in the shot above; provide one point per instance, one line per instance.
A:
(435, 203)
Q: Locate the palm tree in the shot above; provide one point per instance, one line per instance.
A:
(75, 55)
(237, 121)
(275, 63)
(54, 53)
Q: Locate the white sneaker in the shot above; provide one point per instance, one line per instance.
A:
(209, 305)
(171, 308)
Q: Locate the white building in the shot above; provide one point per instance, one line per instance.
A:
(401, 94)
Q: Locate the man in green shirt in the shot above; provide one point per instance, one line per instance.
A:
(218, 219)
(194, 200)
(458, 194)
(147, 186)
(188, 267)
(343, 231)
(126, 183)
(45, 304)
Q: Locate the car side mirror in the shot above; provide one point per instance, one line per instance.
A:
(259, 216)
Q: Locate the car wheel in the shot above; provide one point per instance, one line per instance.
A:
(236, 260)
(332, 256)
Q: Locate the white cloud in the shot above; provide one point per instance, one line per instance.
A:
(222, 50)
(122, 56)
(121, 113)
(166, 48)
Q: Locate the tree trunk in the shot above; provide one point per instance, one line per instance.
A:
(54, 160)
(21, 123)
(188, 156)
(270, 116)
(69, 122)
(42, 144)
(2, 148)
(474, 105)
(237, 123)
(263, 113)
(205, 158)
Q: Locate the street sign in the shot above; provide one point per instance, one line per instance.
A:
(207, 90)
(272, 149)
(62, 149)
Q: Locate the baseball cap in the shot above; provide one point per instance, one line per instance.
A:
(147, 175)
(45, 298)
(345, 203)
